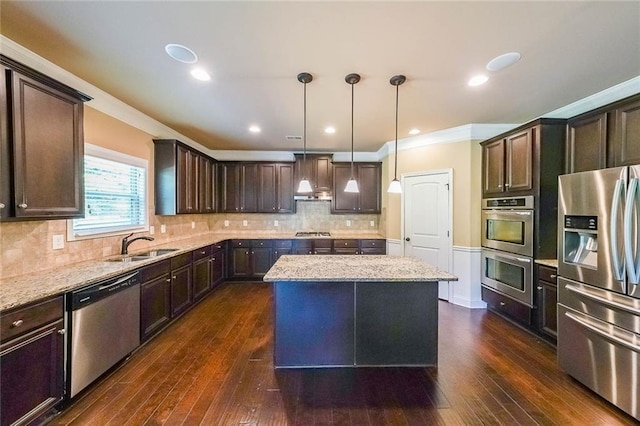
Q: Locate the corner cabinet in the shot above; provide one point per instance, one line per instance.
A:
(41, 146)
(185, 179)
(369, 178)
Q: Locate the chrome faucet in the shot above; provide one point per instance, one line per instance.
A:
(126, 243)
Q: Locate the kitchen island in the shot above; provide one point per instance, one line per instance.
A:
(352, 311)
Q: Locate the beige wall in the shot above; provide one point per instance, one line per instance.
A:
(465, 160)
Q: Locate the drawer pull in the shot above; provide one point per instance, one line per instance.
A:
(502, 304)
(539, 287)
(22, 205)
(17, 323)
(553, 276)
(61, 331)
(203, 252)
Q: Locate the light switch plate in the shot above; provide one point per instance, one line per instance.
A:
(226, 223)
(245, 223)
(58, 242)
(163, 229)
(372, 223)
(193, 225)
(152, 230)
(348, 223)
(275, 223)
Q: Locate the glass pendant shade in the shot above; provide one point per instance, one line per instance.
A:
(395, 187)
(352, 186)
(304, 186)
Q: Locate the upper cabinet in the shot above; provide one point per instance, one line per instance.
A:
(318, 168)
(523, 161)
(185, 179)
(276, 188)
(368, 199)
(605, 137)
(41, 146)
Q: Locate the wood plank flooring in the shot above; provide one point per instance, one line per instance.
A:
(214, 367)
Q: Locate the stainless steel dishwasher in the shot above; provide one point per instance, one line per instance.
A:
(105, 328)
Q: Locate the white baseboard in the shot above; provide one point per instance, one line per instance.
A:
(466, 266)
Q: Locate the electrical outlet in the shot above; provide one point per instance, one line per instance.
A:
(245, 223)
(226, 223)
(152, 230)
(193, 225)
(58, 242)
(275, 223)
(163, 229)
(348, 223)
(372, 223)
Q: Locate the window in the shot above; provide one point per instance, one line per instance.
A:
(115, 188)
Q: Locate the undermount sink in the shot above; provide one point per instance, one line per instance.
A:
(142, 256)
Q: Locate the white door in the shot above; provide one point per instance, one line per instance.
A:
(427, 221)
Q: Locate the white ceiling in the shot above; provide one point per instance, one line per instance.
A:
(254, 50)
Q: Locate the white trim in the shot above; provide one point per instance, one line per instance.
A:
(466, 266)
(394, 247)
(231, 155)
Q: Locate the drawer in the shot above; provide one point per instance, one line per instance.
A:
(222, 245)
(282, 244)
(201, 253)
(22, 320)
(180, 261)
(241, 243)
(323, 243)
(373, 243)
(377, 251)
(507, 306)
(339, 244)
(261, 243)
(548, 274)
(304, 243)
(150, 272)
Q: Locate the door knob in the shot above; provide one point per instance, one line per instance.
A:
(407, 239)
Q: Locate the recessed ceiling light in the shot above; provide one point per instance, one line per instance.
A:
(414, 131)
(478, 80)
(200, 74)
(503, 61)
(254, 129)
(330, 130)
(181, 53)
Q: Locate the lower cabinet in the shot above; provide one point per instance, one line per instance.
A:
(202, 272)
(250, 259)
(155, 298)
(181, 284)
(506, 306)
(280, 248)
(547, 302)
(218, 263)
(31, 361)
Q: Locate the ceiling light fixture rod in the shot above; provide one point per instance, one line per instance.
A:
(305, 185)
(352, 185)
(395, 185)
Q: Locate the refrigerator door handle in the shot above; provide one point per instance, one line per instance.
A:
(620, 305)
(618, 265)
(633, 266)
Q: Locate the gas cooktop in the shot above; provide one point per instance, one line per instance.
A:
(312, 234)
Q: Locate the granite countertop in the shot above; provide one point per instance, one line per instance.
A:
(24, 289)
(552, 263)
(354, 268)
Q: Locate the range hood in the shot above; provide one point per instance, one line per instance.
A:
(317, 196)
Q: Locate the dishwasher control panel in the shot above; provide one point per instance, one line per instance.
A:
(102, 289)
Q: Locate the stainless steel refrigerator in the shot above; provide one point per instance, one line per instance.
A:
(598, 284)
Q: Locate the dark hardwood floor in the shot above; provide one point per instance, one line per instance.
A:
(214, 367)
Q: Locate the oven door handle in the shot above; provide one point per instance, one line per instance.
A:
(629, 344)
(618, 266)
(633, 269)
(589, 295)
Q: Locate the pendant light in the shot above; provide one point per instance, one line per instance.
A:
(395, 186)
(305, 185)
(352, 185)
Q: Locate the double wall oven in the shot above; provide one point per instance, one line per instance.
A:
(508, 246)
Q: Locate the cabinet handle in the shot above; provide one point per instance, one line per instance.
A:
(17, 323)
(202, 252)
(500, 186)
(168, 280)
(213, 259)
(539, 287)
(61, 331)
(2, 206)
(174, 277)
(553, 276)
(22, 205)
(345, 244)
(502, 304)
(506, 185)
(310, 252)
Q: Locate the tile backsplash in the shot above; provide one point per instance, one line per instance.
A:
(26, 247)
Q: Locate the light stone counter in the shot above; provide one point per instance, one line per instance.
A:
(552, 263)
(354, 268)
(24, 289)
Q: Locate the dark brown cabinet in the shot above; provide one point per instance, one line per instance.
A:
(31, 361)
(546, 302)
(181, 284)
(368, 199)
(41, 146)
(201, 272)
(184, 179)
(373, 246)
(608, 136)
(507, 307)
(155, 298)
(275, 193)
(346, 246)
(508, 164)
(218, 263)
(239, 187)
(313, 246)
(280, 248)
(318, 168)
(250, 258)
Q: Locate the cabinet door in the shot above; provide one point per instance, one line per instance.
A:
(155, 305)
(369, 179)
(187, 176)
(267, 201)
(547, 294)
(284, 186)
(322, 174)
(32, 374)
(587, 143)
(5, 150)
(627, 136)
(343, 202)
(277, 253)
(249, 188)
(217, 268)
(48, 150)
(493, 168)
(206, 185)
(181, 290)
(519, 161)
(201, 277)
(241, 262)
(230, 187)
(261, 260)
